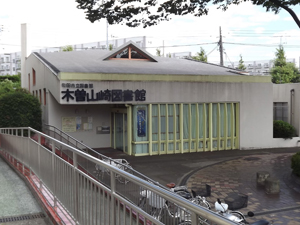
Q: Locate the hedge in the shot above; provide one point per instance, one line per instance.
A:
(20, 109)
(283, 129)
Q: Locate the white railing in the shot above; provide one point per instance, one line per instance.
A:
(80, 196)
(69, 140)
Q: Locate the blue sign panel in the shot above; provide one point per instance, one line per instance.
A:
(141, 123)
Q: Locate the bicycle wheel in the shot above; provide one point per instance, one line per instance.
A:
(205, 204)
(122, 179)
(156, 213)
(202, 202)
(142, 202)
(240, 217)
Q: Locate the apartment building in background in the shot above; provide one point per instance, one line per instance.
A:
(10, 63)
(258, 67)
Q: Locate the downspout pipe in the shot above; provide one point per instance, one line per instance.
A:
(291, 105)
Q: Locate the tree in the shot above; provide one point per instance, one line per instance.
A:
(110, 47)
(201, 56)
(158, 52)
(67, 48)
(283, 71)
(241, 64)
(14, 78)
(9, 83)
(129, 11)
(20, 109)
(6, 86)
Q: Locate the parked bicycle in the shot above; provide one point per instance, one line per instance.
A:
(236, 216)
(122, 164)
(166, 211)
(221, 208)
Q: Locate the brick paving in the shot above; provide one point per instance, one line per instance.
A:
(229, 172)
(239, 176)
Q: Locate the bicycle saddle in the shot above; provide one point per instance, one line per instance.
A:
(185, 194)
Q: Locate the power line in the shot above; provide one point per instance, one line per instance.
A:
(228, 58)
(263, 45)
(172, 46)
(212, 50)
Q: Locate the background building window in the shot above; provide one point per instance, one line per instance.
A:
(33, 77)
(45, 99)
(40, 96)
(280, 111)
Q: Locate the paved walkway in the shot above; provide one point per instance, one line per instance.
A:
(239, 176)
(17, 204)
(227, 172)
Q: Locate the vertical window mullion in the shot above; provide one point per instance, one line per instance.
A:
(174, 127)
(232, 125)
(237, 125)
(159, 129)
(190, 128)
(167, 128)
(197, 127)
(204, 126)
(219, 126)
(210, 126)
(181, 127)
(129, 129)
(226, 126)
(150, 128)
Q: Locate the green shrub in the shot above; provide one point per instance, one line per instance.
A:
(296, 164)
(13, 78)
(283, 129)
(20, 109)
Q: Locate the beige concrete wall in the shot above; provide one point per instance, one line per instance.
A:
(256, 105)
(255, 100)
(100, 114)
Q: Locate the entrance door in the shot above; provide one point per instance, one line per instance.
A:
(120, 132)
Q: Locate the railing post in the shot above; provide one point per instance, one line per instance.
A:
(22, 136)
(113, 201)
(39, 158)
(76, 187)
(28, 159)
(53, 173)
(194, 218)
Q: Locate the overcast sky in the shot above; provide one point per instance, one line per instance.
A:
(247, 30)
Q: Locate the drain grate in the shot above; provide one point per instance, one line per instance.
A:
(22, 217)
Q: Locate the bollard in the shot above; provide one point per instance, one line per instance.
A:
(272, 185)
(261, 176)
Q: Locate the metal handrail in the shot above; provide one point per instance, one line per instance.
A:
(75, 190)
(99, 155)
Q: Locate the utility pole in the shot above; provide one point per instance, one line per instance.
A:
(107, 47)
(221, 48)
